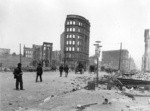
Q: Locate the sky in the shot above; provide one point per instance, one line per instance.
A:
(112, 22)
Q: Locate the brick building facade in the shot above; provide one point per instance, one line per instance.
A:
(110, 59)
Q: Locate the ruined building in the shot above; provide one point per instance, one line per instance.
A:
(75, 41)
(56, 58)
(47, 54)
(40, 53)
(8, 60)
(146, 58)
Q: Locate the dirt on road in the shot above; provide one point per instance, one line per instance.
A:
(64, 94)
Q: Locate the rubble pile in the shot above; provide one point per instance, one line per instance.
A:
(136, 92)
(142, 76)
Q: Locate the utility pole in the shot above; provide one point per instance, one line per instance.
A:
(20, 54)
(120, 57)
(97, 54)
(129, 62)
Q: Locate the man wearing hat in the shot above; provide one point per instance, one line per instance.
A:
(39, 72)
(18, 76)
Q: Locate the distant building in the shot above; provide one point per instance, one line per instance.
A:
(75, 41)
(28, 52)
(37, 52)
(47, 54)
(40, 53)
(11, 61)
(92, 60)
(146, 57)
(132, 65)
(56, 58)
(4, 51)
(110, 59)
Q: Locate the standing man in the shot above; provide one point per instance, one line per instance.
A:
(66, 69)
(39, 72)
(18, 76)
(61, 70)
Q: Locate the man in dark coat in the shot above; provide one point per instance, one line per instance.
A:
(66, 69)
(39, 72)
(61, 70)
(18, 76)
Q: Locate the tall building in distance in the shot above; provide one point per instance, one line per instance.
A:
(111, 59)
(75, 41)
(146, 58)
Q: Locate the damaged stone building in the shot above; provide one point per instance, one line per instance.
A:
(40, 53)
(75, 41)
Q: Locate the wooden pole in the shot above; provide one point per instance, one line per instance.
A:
(129, 63)
(20, 54)
(120, 57)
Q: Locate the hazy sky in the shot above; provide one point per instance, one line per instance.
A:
(112, 21)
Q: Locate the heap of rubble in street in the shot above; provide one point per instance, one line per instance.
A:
(142, 76)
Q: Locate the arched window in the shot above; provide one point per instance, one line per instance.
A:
(72, 48)
(69, 48)
(67, 42)
(70, 42)
(66, 48)
(78, 43)
(73, 29)
(79, 23)
(73, 42)
(70, 36)
(67, 22)
(79, 30)
(67, 36)
(73, 22)
(70, 29)
(73, 36)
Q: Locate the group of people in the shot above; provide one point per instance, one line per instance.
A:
(18, 75)
(65, 69)
(39, 71)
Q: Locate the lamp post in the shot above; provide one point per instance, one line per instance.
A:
(97, 55)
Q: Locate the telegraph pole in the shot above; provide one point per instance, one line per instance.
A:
(20, 54)
(97, 54)
(120, 57)
(129, 62)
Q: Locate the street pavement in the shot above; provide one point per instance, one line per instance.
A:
(63, 94)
